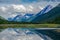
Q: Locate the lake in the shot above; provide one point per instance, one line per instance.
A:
(28, 34)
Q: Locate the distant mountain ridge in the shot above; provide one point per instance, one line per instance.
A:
(2, 17)
(4, 21)
(20, 18)
(48, 17)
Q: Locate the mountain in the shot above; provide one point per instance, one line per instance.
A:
(10, 19)
(2, 20)
(27, 16)
(49, 17)
(17, 18)
(45, 10)
(20, 18)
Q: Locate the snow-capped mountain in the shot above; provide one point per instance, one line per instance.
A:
(16, 18)
(43, 15)
(50, 16)
(43, 11)
(30, 17)
(20, 18)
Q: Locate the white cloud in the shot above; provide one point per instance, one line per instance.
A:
(7, 10)
(3, 9)
(13, 9)
(19, 8)
(29, 8)
(13, 15)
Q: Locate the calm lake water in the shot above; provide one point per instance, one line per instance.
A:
(28, 34)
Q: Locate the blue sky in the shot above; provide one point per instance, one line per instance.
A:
(30, 1)
(38, 0)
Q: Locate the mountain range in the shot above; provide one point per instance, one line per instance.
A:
(53, 16)
(4, 21)
(20, 18)
(47, 15)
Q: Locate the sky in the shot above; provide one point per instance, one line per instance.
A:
(12, 8)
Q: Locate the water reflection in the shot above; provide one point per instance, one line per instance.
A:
(27, 34)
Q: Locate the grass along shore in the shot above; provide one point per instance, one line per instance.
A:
(2, 26)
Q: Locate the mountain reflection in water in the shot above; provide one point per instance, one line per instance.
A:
(28, 34)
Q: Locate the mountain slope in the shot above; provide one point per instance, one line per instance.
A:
(48, 17)
(45, 10)
(4, 21)
(20, 18)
